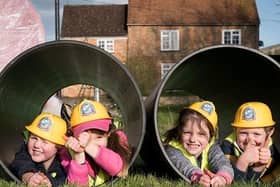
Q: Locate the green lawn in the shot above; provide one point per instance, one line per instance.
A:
(138, 177)
(147, 180)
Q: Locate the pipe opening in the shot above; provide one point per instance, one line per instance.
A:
(226, 75)
(35, 75)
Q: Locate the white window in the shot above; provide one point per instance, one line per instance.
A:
(232, 37)
(106, 44)
(169, 40)
(165, 67)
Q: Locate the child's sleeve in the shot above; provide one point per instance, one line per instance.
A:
(109, 161)
(22, 163)
(220, 164)
(181, 162)
(76, 173)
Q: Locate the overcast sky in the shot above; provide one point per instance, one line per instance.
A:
(269, 12)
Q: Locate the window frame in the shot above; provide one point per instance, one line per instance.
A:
(233, 33)
(172, 45)
(106, 44)
(164, 70)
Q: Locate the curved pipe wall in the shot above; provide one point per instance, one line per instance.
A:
(36, 74)
(226, 75)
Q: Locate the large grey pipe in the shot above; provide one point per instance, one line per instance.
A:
(36, 74)
(226, 75)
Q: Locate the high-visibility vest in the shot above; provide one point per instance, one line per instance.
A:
(265, 177)
(100, 178)
(191, 158)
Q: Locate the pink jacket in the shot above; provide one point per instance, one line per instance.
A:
(108, 160)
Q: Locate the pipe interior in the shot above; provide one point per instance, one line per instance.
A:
(226, 75)
(36, 74)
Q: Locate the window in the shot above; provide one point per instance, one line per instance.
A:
(232, 37)
(106, 44)
(165, 67)
(169, 40)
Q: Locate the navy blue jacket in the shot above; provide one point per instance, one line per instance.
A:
(23, 163)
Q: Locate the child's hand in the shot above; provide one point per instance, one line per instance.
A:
(84, 139)
(38, 179)
(205, 180)
(251, 153)
(264, 160)
(264, 155)
(74, 144)
(218, 181)
(215, 180)
(45, 181)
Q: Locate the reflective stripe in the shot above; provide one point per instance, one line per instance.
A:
(191, 158)
(237, 152)
(99, 179)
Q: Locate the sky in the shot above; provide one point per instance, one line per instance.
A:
(269, 13)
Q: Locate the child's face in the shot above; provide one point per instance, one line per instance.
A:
(195, 137)
(253, 136)
(41, 150)
(98, 138)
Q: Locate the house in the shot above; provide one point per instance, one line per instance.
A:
(273, 51)
(157, 34)
(100, 25)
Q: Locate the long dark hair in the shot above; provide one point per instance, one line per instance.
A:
(118, 142)
(184, 116)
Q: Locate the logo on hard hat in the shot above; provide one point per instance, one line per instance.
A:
(207, 107)
(87, 109)
(249, 114)
(45, 124)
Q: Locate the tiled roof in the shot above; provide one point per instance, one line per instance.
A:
(192, 12)
(271, 50)
(94, 20)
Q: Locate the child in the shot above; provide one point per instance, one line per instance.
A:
(192, 149)
(98, 149)
(37, 162)
(250, 147)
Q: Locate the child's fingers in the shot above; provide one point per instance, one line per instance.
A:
(218, 181)
(264, 155)
(209, 173)
(35, 179)
(205, 180)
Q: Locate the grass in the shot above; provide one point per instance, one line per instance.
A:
(166, 117)
(151, 180)
(139, 176)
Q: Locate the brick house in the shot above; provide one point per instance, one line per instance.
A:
(100, 25)
(156, 34)
(273, 51)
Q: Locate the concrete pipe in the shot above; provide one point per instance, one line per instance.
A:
(36, 74)
(226, 75)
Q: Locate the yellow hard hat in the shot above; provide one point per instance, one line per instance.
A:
(206, 109)
(89, 115)
(49, 127)
(253, 115)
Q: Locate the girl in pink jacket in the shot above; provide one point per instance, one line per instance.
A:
(97, 150)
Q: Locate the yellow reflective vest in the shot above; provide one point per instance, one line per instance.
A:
(100, 178)
(273, 169)
(191, 158)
